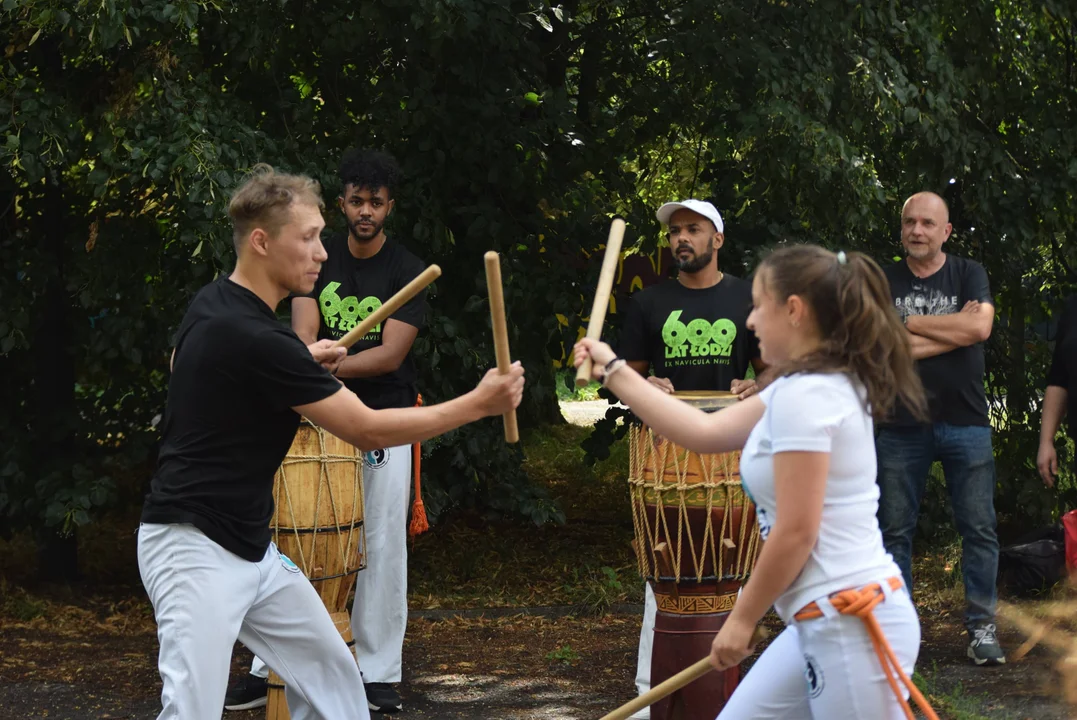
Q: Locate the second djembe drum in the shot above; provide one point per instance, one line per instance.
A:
(318, 524)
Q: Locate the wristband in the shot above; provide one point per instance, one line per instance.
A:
(611, 367)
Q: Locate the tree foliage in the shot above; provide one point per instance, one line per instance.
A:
(521, 127)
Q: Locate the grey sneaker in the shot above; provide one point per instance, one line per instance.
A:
(983, 645)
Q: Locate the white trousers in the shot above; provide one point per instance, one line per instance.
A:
(826, 668)
(205, 598)
(380, 612)
(646, 642)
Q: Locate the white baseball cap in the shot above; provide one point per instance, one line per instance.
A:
(703, 208)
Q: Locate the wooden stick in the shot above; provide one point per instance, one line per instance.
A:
(1034, 628)
(501, 335)
(390, 306)
(602, 294)
(1033, 639)
(689, 674)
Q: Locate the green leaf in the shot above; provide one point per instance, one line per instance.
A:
(99, 495)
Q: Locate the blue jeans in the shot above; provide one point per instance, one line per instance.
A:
(905, 455)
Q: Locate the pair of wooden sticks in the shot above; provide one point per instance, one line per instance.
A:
(497, 311)
(583, 376)
(497, 317)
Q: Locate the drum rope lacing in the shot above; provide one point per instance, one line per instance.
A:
(664, 456)
(323, 458)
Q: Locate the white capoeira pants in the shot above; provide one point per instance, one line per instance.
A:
(827, 668)
(646, 642)
(380, 611)
(205, 598)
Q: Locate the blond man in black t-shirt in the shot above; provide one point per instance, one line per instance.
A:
(364, 267)
(240, 382)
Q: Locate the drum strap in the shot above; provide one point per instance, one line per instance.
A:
(861, 603)
(419, 522)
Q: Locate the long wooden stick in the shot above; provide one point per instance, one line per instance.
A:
(602, 294)
(689, 674)
(501, 334)
(390, 306)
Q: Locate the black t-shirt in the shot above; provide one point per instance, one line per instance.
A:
(698, 339)
(954, 381)
(348, 290)
(228, 423)
(1063, 371)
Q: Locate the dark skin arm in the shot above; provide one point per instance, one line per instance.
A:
(642, 367)
(396, 340)
(748, 387)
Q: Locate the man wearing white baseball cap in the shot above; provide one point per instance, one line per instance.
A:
(700, 207)
(689, 333)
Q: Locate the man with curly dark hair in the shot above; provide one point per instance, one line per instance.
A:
(365, 268)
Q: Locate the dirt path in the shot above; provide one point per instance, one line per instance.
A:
(510, 667)
(1025, 690)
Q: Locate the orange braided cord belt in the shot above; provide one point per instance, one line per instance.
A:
(861, 603)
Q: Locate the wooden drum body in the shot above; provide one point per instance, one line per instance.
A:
(696, 540)
(318, 524)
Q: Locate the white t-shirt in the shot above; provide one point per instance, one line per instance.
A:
(822, 413)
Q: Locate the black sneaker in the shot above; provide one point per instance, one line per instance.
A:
(983, 645)
(247, 693)
(382, 697)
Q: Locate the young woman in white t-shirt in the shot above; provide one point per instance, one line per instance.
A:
(838, 357)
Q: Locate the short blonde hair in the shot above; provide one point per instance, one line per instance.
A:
(263, 201)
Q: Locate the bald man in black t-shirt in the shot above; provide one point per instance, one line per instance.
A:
(948, 310)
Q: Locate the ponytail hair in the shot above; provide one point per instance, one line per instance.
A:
(861, 333)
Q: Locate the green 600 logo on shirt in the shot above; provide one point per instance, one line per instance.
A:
(699, 338)
(343, 313)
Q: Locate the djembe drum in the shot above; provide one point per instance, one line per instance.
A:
(318, 524)
(696, 539)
